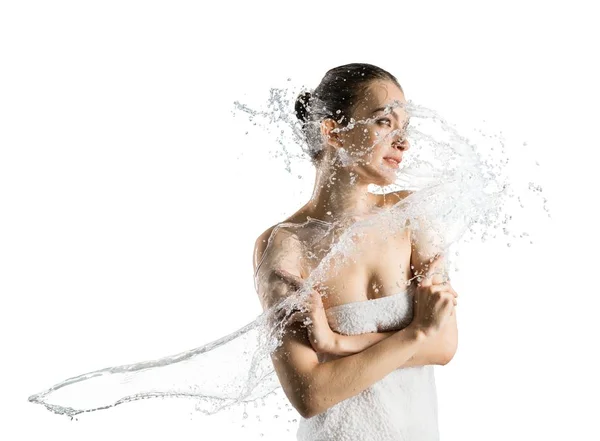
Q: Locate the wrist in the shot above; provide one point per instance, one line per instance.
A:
(327, 345)
(334, 343)
(419, 333)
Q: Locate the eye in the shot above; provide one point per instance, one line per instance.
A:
(384, 121)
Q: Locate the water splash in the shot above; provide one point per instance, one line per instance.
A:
(461, 191)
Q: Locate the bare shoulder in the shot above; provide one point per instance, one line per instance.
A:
(277, 248)
(276, 240)
(260, 245)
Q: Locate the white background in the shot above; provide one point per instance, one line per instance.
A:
(130, 196)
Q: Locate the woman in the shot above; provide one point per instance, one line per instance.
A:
(361, 369)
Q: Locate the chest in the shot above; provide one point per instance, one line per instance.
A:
(375, 265)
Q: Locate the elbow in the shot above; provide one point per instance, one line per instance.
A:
(311, 403)
(446, 358)
(306, 408)
(300, 389)
(306, 412)
(303, 400)
(303, 408)
(448, 354)
(312, 410)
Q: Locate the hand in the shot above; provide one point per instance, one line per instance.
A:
(312, 315)
(434, 300)
(437, 277)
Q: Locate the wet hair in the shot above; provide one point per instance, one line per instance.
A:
(335, 97)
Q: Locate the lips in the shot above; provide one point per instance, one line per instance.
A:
(394, 160)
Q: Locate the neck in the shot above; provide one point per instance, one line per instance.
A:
(338, 194)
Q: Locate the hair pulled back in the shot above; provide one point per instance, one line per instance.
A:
(335, 97)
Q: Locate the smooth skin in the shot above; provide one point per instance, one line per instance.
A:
(385, 264)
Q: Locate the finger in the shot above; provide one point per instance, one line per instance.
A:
(286, 275)
(445, 298)
(291, 279)
(315, 299)
(440, 288)
(443, 287)
(452, 299)
(454, 293)
(296, 316)
(279, 314)
(424, 281)
(448, 296)
(284, 316)
(300, 306)
(302, 317)
(437, 278)
(450, 288)
(276, 316)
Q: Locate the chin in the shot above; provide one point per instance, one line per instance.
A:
(386, 177)
(380, 176)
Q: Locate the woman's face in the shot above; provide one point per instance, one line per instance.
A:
(375, 145)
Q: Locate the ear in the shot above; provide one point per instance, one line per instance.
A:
(332, 138)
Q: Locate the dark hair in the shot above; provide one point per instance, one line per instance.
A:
(335, 97)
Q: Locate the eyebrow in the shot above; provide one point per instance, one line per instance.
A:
(379, 109)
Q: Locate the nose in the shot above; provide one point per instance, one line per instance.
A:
(399, 140)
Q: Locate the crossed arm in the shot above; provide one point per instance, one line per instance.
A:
(313, 387)
(439, 349)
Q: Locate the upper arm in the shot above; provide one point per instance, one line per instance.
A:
(426, 243)
(294, 359)
(442, 347)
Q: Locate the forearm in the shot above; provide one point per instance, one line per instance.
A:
(435, 350)
(438, 349)
(351, 344)
(336, 380)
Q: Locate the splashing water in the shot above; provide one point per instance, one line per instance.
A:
(460, 192)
